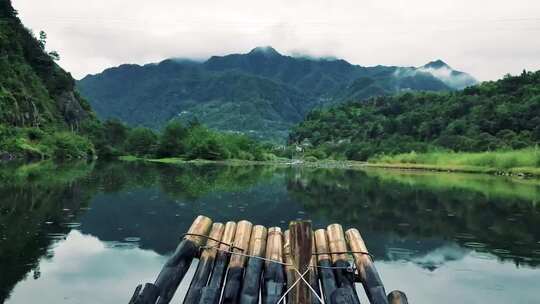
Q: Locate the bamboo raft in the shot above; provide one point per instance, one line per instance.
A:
(250, 264)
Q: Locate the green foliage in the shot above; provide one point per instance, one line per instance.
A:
(67, 146)
(498, 159)
(37, 101)
(492, 116)
(194, 141)
(34, 143)
(115, 132)
(141, 142)
(171, 142)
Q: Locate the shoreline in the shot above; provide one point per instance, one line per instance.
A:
(518, 172)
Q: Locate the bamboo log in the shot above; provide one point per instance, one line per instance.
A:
(397, 297)
(206, 262)
(289, 269)
(313, 273)
(274, 276)
(148, 295)
(346, 293)
(369, 276)
(211, 293)
(236, 265)
(252, 278)
(300, 240)
(326, 274)
(176, 266)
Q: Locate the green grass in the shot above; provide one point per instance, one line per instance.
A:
(515, 161)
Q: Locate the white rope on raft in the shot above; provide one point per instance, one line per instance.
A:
(296, 282)
(301, 275)
(274, 261)
(301, 278)
(246, 255)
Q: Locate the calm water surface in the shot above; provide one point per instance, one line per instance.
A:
(85, 233)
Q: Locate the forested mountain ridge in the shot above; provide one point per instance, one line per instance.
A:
(262, 93)
(37, 97)
(34, 90)
(503, 114)
(151, 95)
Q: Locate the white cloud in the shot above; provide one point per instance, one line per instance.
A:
(484, 38)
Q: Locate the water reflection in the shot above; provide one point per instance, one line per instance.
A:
(75, 229)
(430, 209)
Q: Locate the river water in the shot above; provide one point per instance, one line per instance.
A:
(89, 233)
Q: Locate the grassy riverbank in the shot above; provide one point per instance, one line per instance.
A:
(516, 162)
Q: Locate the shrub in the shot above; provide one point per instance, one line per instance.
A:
(310, 159)
(67, 145)
(210, 149)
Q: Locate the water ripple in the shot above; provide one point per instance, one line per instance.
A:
(475, 245)
(71, 225)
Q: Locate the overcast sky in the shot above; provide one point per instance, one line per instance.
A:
(487, 38)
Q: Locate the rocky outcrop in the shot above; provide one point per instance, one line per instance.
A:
(70, 108)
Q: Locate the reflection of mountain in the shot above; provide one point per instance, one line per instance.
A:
(482, 220)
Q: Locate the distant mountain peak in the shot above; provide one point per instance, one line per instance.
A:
(437, 64)
(454, 79)
(267, 51)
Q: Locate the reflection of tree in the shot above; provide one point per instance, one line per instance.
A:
(193, 181)
(30, 196)
(376, 203)
(158, 198)
(183, 181)
(36, 194)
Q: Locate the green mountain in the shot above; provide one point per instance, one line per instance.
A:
(493, 115)
(37, 97)
(262, 93)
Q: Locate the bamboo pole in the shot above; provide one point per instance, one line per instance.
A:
(148, 295)
(211, 293)
(176, 266)
(313, 273)
(252, 279)
(236, 265)
(369, 276)
(346, 293)
(274, 276)
(289, 269)
(300, 240)
(326, 274)
(397, 297)
(206, 262)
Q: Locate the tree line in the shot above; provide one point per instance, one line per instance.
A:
(495, 115)
(193, 140)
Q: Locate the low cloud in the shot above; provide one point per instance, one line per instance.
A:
(484, 40)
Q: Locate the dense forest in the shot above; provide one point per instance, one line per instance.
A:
(495, 115)
(40, 112)
(261, 93)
